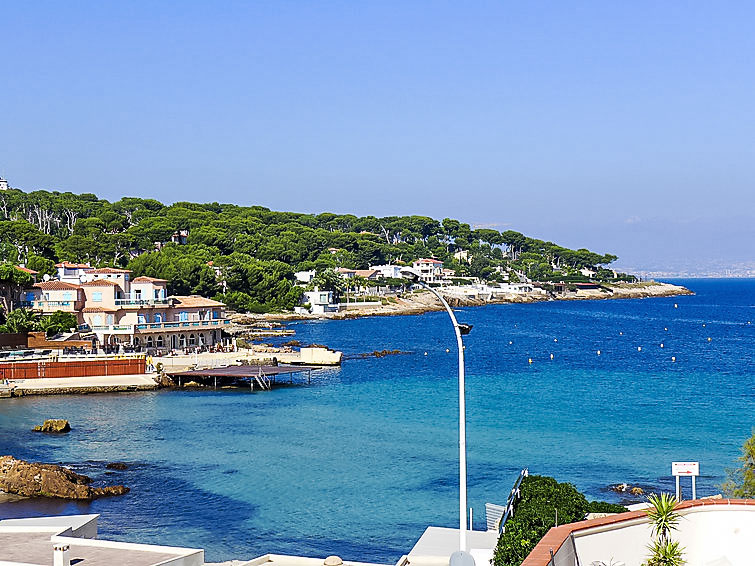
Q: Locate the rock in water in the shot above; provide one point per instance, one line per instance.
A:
(54, 425)
(48, 480)
(116, 466)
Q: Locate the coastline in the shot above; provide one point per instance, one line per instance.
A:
(419, 302)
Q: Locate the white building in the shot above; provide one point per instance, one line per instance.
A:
(3, 184)
(73, 273)
(305, 276)
(430, 270)
(72, 539)
(388, 271)
(320, 302)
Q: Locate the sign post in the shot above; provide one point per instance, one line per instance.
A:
(691, 469)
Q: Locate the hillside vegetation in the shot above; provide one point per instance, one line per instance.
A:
(258, 250)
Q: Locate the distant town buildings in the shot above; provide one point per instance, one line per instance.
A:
(3, 184)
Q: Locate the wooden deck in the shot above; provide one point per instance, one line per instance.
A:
(261, 377)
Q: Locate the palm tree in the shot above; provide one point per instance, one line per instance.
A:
(21, 320)
(664, 519)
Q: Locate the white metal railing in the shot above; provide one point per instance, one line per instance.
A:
(497, 515)
(130, 328)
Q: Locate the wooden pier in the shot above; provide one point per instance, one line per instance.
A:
(260, 377)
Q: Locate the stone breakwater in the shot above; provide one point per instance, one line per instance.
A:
(30, 479)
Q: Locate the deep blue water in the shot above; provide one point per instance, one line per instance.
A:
(362, 460)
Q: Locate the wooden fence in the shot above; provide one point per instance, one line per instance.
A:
(81, 368)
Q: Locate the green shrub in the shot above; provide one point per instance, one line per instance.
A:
(535, 514)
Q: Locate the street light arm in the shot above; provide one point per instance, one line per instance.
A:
(462, 422)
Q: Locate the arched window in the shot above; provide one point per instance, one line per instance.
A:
(150, 343)
(192, 340)
(182, 341)
(160, 341)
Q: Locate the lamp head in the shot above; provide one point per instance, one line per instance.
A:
(409, 273)
(465, 329)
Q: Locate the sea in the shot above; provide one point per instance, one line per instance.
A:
(359, 462)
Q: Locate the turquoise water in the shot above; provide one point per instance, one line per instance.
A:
(362, 460)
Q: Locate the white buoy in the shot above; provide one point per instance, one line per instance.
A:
(447, 350)
(551, 356)
(555, 339)
(621, 334)
(425, 353)
(529, 360)
(666, 329)
(661, 344)
(709, 338)
(673, 358)
(510, 342)
(676, 306)
(703, 325)
(598, 352)
(639, 348)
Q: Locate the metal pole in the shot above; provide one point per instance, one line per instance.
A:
(462, 424)
(694, 491)
(678, 493)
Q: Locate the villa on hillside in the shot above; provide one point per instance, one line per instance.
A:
(121, 310)
(430, 270)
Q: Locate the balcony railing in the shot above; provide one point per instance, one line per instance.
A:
(137, 302)
(147, 326)
(45, 304)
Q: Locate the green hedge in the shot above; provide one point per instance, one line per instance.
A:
(535, 514)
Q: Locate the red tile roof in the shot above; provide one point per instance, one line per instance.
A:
(110, 270)
(55, 285)
(26, 270)
(196, 301)
(426, 260)
(97, 309)
(100, 283)
(145, 279)
(73, 265)
(555, 538)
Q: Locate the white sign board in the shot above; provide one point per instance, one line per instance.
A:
(685, 468)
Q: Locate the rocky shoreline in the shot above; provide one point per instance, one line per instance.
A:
(419, 302)
(30, 479)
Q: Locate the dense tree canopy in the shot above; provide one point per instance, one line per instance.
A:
(256, 249)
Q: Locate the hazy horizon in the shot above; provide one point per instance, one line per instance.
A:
(622, 129)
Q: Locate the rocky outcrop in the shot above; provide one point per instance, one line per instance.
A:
(54, 425)
(48, 480)
(117, 466)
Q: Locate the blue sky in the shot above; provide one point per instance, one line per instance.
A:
(622, 127)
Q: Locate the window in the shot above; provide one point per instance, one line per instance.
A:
(192, 339)
(215, 314)
(182, 341)
(97, 296)
(183, 316)
(110, 319)
(142, 319)
(160, 341)
(97, 320)
(68, 296)
(158, 317)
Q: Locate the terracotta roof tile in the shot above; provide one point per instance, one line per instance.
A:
(97, 309)
(73, 265)
(196, 301)
(555, 538)
(100, 283)
(55, 285)
(26, 270)
(110, 270)
(145, 279)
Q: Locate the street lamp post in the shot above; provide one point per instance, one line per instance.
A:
(459, 330)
